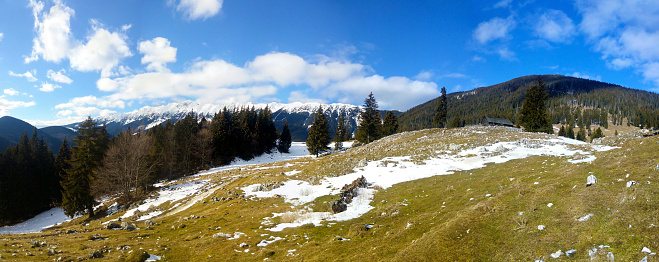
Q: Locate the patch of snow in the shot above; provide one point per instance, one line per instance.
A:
(166, 194)
(541, 227)
(40, 222)
(550, 204)
(646, 250)
(264, 242)
(152, 257)
(556, 254)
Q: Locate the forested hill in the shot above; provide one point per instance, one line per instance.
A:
(570, 99)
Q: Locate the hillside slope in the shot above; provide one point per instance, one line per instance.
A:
(11, 130)
(568, 96)
(468, 194)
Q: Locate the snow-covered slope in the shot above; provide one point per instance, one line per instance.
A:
(299, 115)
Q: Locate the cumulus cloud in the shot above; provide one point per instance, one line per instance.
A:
(157, 53)
(54, 42)
(625, 32)
(217, 81)
(54, 38)
(6, 105)
(503, 4)
(92, 101)
(199, 9)
(11, 92)
(296, 96)
(555, 26)
(493, 29)
(59, 76)
(102, 52)
(424, 75)
(29, 75)
(48, 87)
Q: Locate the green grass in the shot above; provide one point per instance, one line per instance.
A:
(426, 219)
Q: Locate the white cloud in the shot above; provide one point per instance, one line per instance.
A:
(217, 81)
(391, 93)
(92, 101)
(454, 75)
(625, 32)
(102, 51)
(48, 87)
(493, 29)
(555, 26)
(54, 38)
(585, 76)
(199, 9)
(59, 76)
(296, 96)
(477, 58)
(424, 75)
(503, 4)
(6, 105)
(157, 53)
(1, 36)
(11, 92)
(29, 75)
(506, 54)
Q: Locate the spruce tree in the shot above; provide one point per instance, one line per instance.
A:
(562, 131)
(340, 134)
(62, 164)
(456, 122)
(370, 128)
(534, 116)
(570, 132)
(390, 125)
(319, 136)
(86, 157)
(285, 140)
(441, 111)
(597, 134)
(581, 135)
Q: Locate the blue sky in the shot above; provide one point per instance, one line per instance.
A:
(63, 60)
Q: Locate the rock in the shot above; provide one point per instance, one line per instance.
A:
(570, 252)
(362, 163)
(645, 259)
(557, 254)
(112, 225)
(71, 231)
(591, 180)
(541, 227)
(149, 223)
(454, 147)
(631, 183)
(95, 254)
(610, 257)
(126, 226)
(222, 235)
(244, 245)
(592, 253)
(646, 250)
(585, 218)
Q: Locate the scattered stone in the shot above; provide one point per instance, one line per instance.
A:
(557, 254)
(570, 252)
(71, 231)
(149, 223)
(222, 235)
(645, 259)
(550, 204)
(362, 163)
(244, 245)
(541, 227)
(126, 226)
(591, 180)
(631, 183)
(585, 218)
(112, 225)
(348, 192)
(610, 257)
(592, 253)
(646, 250)
(95, 254)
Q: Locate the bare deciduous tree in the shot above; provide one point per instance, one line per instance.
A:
(126, 165)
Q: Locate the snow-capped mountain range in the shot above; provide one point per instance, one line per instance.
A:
(299, 115)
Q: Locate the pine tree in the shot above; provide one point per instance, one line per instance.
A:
(597, 134)
(581, 135)
(570, 132)
(340, 134)
(390, 125)
(562, 131)
(616, 133)
(534, 116)
(87, 155)
(285, 140)
(456, 122)
(441, 111)
(370, 128)
(319, 136)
